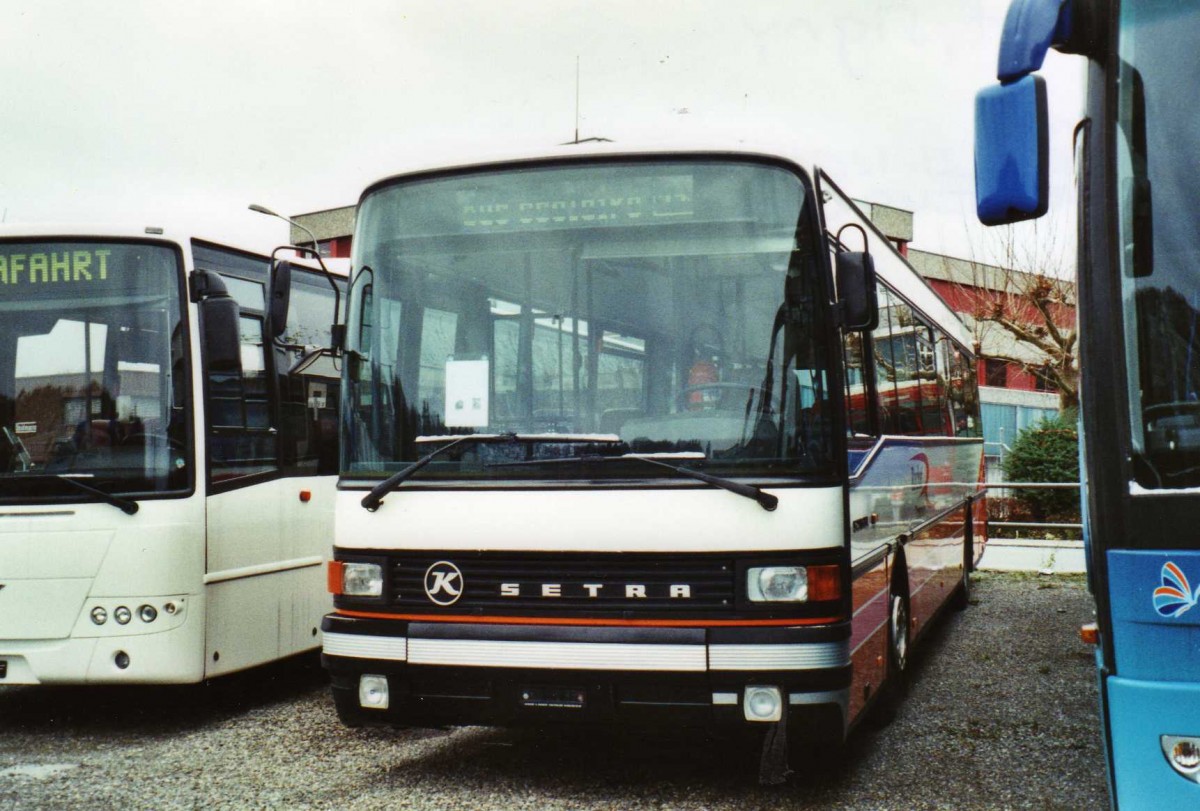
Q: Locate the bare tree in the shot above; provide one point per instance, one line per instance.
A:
(1020, 305)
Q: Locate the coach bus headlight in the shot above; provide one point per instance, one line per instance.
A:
(373, 691)
(777, 584)
(793, 584)
(99, 615)
(1183, 753)
(362, 579)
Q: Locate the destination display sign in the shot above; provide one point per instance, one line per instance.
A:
(42, 269)
(587, 196)
(562, 205)
(54, 267)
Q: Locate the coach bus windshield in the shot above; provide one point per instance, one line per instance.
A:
(603, 309)
(92, 369)
(1158, 139)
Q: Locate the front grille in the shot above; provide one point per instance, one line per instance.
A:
(632, 585)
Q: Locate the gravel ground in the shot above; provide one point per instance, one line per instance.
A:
(1001, 714)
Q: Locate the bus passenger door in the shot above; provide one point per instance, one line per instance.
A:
(260, 601)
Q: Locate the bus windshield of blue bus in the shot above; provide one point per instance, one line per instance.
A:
(1158, 139)
(93, 378)
(591, 309)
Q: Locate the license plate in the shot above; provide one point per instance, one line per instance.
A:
(569, 698)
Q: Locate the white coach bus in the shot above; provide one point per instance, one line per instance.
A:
(167, 450)
(658, 437)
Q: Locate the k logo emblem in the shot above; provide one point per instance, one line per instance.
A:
(443, 583)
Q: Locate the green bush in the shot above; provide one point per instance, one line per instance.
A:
(1047, 452)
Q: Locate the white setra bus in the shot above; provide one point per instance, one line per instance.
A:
(167, 445)
(613, 450)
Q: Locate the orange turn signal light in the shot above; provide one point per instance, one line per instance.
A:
(333, 576)
(824, 583)
(1090, 633)
(306, 496)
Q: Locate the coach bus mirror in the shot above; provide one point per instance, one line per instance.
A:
(1011, 157)
(219, 316)
(281, 290)
(856, 291)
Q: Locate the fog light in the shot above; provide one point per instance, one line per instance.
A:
(1183, 753)
(148, 613)
(373, 692)
(762, 704)
(122, 615)
(99, 615)
(121, 659)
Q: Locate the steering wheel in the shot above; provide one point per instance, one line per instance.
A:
(683, 397)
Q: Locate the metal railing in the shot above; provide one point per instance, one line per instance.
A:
(1002, 486)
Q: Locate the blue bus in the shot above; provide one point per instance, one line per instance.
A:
(1139, 306)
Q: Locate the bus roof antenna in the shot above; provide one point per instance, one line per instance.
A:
(577, 140)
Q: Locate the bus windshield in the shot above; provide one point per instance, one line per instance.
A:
(93, 378)
(671, 307)
(1160, 244)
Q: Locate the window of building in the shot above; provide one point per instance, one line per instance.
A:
(995, 373)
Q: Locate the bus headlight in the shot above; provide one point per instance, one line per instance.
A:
(777, 584)
(362, 579)
(1183, 753)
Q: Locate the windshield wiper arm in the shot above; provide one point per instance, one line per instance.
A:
(125, 505)
(767, 501)
(373, 499)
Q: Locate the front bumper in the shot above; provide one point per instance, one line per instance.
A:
(445, 674)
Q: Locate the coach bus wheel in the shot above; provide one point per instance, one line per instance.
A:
(898, 634)
(896, 686)
(962, 594)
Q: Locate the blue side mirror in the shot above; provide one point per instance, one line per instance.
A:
(1011, 155)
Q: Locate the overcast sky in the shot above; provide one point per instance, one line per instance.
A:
(185, 112)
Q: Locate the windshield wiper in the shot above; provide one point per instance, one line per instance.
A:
(765, 500)
(125, 505)
(374, 498)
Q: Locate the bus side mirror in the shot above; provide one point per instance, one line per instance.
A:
(856, 291)
(219, 319)
(281, 291)
(1011, 156)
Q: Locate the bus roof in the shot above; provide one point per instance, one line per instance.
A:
(597, 148)
(117, 231)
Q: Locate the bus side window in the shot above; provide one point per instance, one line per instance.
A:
(963, 392)
(932, 383)
(885, 365)
(309, 382)
(858, 419)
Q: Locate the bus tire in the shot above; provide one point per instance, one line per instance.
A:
(962, 594)
(895, 687)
